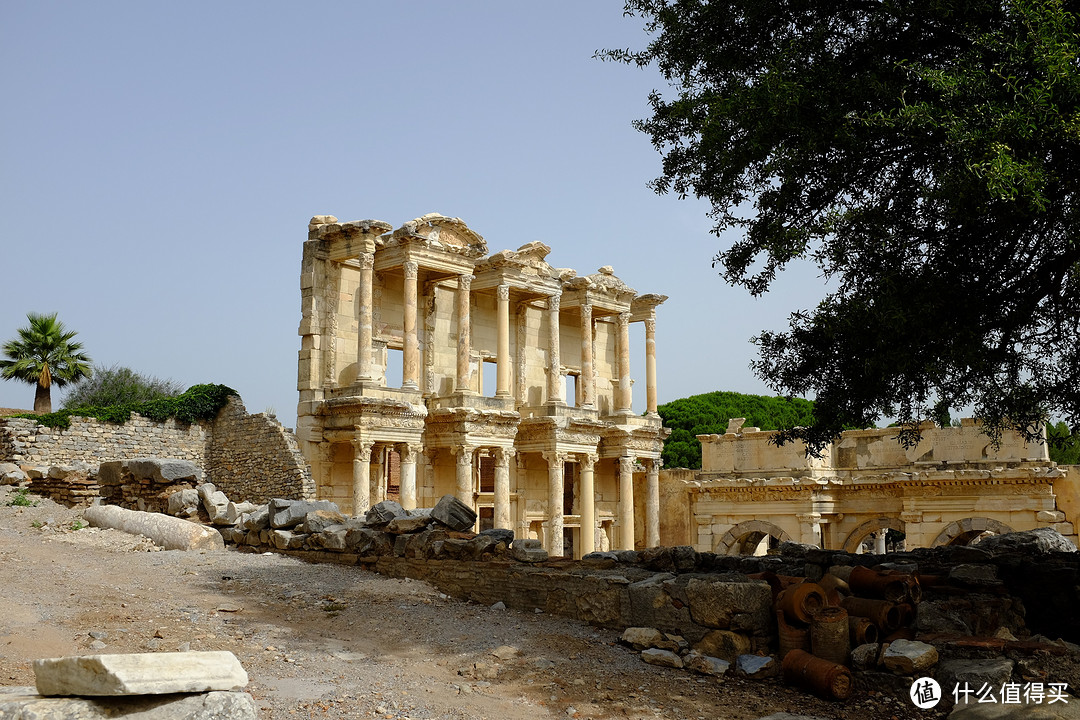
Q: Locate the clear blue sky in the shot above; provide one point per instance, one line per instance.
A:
(159, 163)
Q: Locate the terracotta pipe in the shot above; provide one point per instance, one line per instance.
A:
(801, 602)
(882, 613)
(825, 679)
(861, 631)
(829, 635)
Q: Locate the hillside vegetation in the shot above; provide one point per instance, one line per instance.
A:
(709, 413)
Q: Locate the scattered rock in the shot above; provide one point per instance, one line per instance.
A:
(1039, 540)
(906, 657)
(663, 658)
(705, 664)
(641, 638)
(528, 550)
(757, 666)
(383, 512)
(285, 514)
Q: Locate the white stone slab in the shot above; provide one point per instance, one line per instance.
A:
(139, 674)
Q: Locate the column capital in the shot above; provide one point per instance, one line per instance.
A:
(650, 324)
(554, 301)
(408, 451)
(587, 460)
(502, 292)
(411, 269)
(624, 319)
(503, 455)
(465, 281)
(463, 453)
(553, 456)
(366, 260)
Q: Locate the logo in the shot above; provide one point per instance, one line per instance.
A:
(925, 693)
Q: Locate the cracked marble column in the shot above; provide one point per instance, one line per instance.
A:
(587, 498)
(502, 488)
(556, 467)
(361, 480)
(464, 328)
(410, 370)
(626, 502)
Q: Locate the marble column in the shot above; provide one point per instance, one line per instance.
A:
(650, 364)
(587, 498)
(556, 467)
(364, 360)
(879, 541)
(520, 356)
(625, 398)
(626, 502)
(502, 345)
(410, 371)
(378, 474)
(361, 485)
(464, 491)
(407, 484)
(652, 503)
(554, 378)
(587, 377)
(464, 325)
(502, 487)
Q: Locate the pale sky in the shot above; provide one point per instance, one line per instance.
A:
(159, 163)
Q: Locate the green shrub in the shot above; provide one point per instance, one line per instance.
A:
(199, 402)
(116, 385)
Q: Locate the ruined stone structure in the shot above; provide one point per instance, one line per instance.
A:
(402, 333)
(951, 488)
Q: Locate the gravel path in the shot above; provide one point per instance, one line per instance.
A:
(325, 641)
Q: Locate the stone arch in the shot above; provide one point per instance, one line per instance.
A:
(855, 538)
(962, 532)
(748, 532)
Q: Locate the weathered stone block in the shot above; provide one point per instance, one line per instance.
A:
(722, 603)
(163, 470)
(139, 674)
(184, 503)
(528, 550)
(724, 644)
(24, 704)
(383, 512)
(317, 521)
(705, 665)
(453, 513)
(290, 513)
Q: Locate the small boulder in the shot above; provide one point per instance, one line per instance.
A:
(641, 638)
(184, 503)
(906, 657)
(705, 665)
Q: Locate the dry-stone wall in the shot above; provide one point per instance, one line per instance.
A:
(91, 441)
(254, 457)
(250, 456)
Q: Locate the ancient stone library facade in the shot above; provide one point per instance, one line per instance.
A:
(430, 367)
(868, 493)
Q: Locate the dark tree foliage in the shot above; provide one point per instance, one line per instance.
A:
(1064, 445)
(709, 414)
(926, 156)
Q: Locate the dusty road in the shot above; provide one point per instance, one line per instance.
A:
(324, 641)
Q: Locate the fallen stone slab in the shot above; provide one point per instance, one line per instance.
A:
(170, 533)
(286, 514)
(641, 638)
(528, 550)
(22, 703)
(453, 513)
(163, 470)
(705, 664)
(1039, 540)
(383, 512)
(139, 674)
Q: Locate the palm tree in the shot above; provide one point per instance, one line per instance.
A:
(44, 355)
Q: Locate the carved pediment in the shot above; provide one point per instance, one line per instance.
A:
(440, 231)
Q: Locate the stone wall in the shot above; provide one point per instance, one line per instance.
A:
(90, 441)
(250, 456)
(254, 457)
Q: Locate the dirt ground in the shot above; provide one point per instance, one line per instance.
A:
(321, 641)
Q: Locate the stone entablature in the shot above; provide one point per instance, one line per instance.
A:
(950, 488)
(429, 366)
